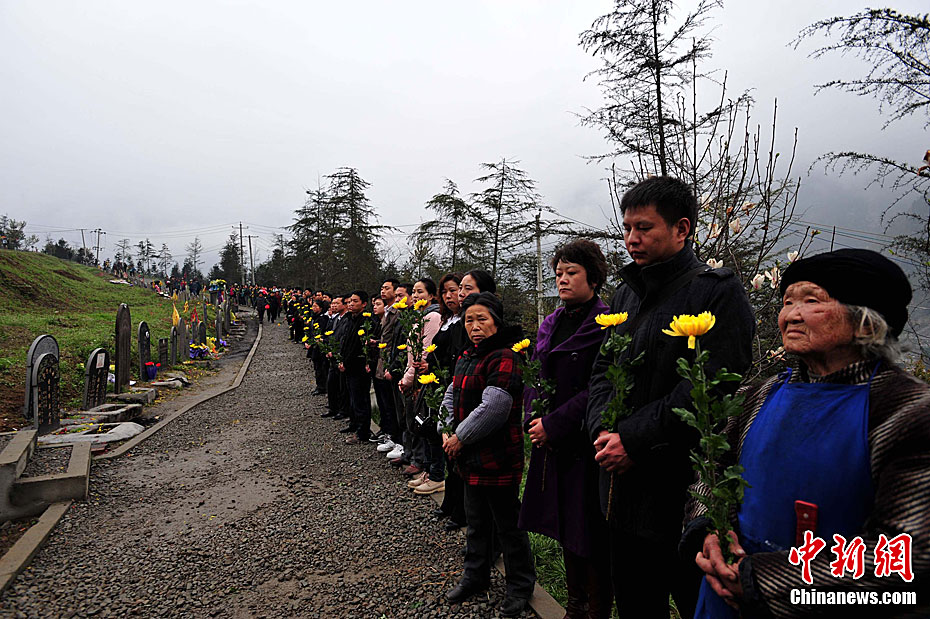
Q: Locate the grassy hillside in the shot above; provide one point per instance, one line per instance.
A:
(75, 304)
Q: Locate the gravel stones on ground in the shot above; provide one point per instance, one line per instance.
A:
(48, 461)
(249, 505)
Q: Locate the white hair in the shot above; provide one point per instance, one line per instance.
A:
(872, 337)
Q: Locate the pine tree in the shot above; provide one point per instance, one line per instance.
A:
(456, 235)
(505, 208)
(194, 255)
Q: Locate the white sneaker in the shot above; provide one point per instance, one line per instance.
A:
(397, 452)
(386, 446)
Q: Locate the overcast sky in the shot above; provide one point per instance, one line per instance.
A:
(174, 119)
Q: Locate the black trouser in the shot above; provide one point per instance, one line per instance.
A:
(453, 502)
(333, 394)
(400, 414)
(385, 400)
(487, 508)
(644, 573)
(587, 579)
(435, 463)
(320, 371)
(359, 388)
(261, 313)
(345, 405)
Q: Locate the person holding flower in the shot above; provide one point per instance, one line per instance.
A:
(354, 364)
(426, 461)
(485, 405)
(838, 445)
(560, 499)
(644, 456)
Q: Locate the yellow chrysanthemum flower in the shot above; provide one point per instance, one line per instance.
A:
(402, 304)
(430, 348)
(402, 347)
(361, 332)
(420, 304)
(318, 337)
(328, 333)
(382, 345)
(305, 338)
(690, 326)
(520, 346)
(426, 379)
(610, 320)
(366, 314)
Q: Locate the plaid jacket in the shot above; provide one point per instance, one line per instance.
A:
(497, 459)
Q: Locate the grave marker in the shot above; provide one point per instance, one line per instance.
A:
(95, 379)
(41, 345)
(123, 345)
(163, 352)
(145, 348)
(173, 355)
(46, 400)
(201, 332)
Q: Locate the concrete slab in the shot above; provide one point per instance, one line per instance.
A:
(138, 395)
(33, 495)
(20, 555)
(107, 413)
(168, 384)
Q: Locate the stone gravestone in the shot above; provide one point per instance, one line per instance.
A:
(173, 354)
(201, 332)
(145, 349)
(123, 344)
(184, 341)
(46, 400)
(163, 352)
(95, 379)
(218, 327)
(227, 316)
(41, 345)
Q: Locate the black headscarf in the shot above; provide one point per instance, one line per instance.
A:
(857, 277)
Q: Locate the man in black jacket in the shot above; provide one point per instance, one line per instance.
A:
(336, 395)
(647, 452)
(354, 365)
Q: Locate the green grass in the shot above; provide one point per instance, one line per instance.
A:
(77, 305)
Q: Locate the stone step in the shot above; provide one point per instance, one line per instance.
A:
(13, 460)
(137, 395)
(30, 496)
(110, 413)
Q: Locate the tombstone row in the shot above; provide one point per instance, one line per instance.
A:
(43, 397)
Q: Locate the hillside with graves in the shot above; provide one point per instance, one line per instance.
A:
(77, 305)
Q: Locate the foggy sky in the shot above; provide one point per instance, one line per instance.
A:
(178, 119)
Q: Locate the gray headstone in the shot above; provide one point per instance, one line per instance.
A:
(95, 379)
(183, 341)
(201, 332)
(218, 326)
(145, 348)
(123, 346)
(41, 345)
(204, 317)
(173, 354)
(46, 400)
(163, 352)
(227, 318)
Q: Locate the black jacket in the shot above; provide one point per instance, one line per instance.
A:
(354, 353)
(649, 499)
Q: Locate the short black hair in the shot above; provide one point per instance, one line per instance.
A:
(483, 279)
(406, 285)
(429, 284)
(361, 294)
(589, 255)
(323, 304)
(394, 281)
(672, 198)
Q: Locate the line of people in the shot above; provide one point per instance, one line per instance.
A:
(846, 431)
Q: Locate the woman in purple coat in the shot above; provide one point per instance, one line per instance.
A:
(561, 495)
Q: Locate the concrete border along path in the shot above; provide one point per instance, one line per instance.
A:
(248, 505)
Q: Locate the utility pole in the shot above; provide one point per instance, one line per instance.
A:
(97, 246)
(241, 252)
(251, 260)
(539, 271)
(83, 244)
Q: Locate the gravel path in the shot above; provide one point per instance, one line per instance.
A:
(249, 505)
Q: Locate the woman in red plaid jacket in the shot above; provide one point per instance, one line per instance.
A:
(485, 398)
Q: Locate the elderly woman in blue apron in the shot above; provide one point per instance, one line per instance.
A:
(840, 445)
